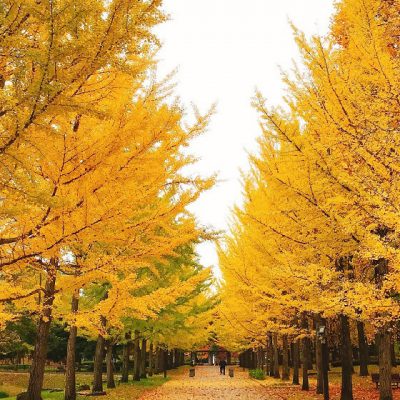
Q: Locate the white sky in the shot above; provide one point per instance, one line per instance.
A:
(223, 50)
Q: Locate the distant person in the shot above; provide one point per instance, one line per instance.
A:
(222, 366)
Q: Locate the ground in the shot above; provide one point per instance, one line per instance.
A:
(207, 384)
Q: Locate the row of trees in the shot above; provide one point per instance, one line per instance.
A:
(316, 240)
(94, 227)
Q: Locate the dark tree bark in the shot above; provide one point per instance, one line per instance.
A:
(276, 356)
(285, 368)
(305, 356)
(319, 365)
(347, 359)
(296, 362)
(262, 355)
(125, 359)
(310, 365)
(383, 337)
(165, 362)
(98, 365)
(305, 348)
(151, 359)
(136, 359)
(175, 353)
(393, 355)
(385, 364)
(335, 354)
(362, 349)
(157, 359)
(325, 374)
(143, 359)
(110, 367)
(319, 359)
(271, 355)
(36, 375)
(70, 381)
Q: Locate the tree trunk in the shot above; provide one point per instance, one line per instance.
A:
(385, 364)
(347, 359)
(182, 358)
(165, 362)
(304, 361)
(70, 381)
(285, 368)
(335, 354)
(319, 362)
(110, 367)
(36, 376)
(143, 359)
(296, 361)
(393, 355)
(276, 356)
(136, 374)
(125, 359)
(310, 365)
(98, 366)
(325, 372)
(363, 349)
(157, 363)
(305, 356)
(151, 362)
(175, 358)
(253, 358)
(271, 355)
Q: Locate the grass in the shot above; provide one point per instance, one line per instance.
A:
(47, 395)
(257, 374)
(152, 382)
(12, 384)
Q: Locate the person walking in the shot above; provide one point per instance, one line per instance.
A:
(222, 366)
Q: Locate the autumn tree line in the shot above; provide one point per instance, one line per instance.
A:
(315, 244)
(95, 232)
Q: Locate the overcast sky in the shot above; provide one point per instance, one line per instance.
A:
(223, 50)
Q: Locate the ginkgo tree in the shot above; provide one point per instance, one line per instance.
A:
(91, 150)
(318, 230)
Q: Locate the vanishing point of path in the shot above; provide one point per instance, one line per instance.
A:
(209, 384)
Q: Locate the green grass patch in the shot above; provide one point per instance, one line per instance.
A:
(152, 382)
(45, 395)
(3, 395)
(257, 374)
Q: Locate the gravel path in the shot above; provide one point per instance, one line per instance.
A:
(209, 384)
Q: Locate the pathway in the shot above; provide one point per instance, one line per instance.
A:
(209, 384)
